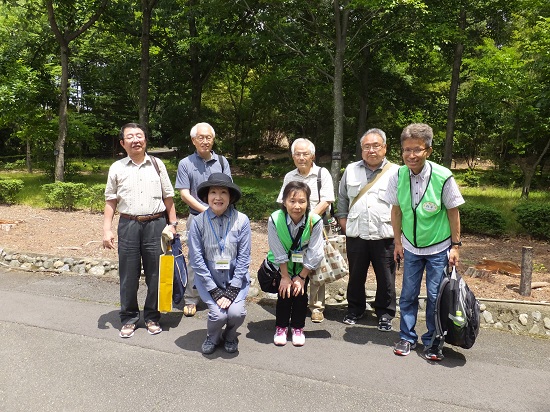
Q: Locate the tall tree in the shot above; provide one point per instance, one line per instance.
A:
(147, 7)
(72, 26)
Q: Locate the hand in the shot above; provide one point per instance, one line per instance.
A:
(398, 253)
(453, 257)
(298, 286)
(285, 286)
(223, 303)
(109, 240)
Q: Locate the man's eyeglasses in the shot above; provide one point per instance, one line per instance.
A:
(368, 147)
(130, 137)
(304, 155)
(203, 138)
(416, 151)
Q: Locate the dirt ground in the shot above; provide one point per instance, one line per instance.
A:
(79, 234)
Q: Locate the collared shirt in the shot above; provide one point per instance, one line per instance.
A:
(205, 243)
(366, 176)
(451, 198)
(313, 251)
(193, 170)
(327, 187)
(138, 189)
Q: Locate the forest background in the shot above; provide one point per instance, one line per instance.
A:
(266, 72)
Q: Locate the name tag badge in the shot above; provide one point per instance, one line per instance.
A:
(222, 264)
(297, 257)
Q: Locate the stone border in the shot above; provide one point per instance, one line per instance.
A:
(515, 317)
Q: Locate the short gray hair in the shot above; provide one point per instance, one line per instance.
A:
(311, 146)
(194, 129)
(379, 132)
(418, 131)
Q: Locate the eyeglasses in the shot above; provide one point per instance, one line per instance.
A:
(203, 138)
(368, 147)
(130, 137)
(304, 155)
(416, 151)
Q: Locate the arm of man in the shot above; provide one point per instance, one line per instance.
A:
(108, 214)
(171, 211)
(326, 192)
(189, 200)
(454, 221)
(321, 207)
(396, 219)
(343, 203)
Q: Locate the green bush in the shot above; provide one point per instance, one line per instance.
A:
(535, 218)
(63, 195)
(256, 205)
(95, 197)
(9, 189)
(275, 171)
(471, 178)
(482, 220)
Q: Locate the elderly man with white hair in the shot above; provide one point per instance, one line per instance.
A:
(319, 181)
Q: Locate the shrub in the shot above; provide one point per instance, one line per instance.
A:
(9, 189)
(482, 220)
(534, 217)
(63, 195)
(471, 178)
(95, 197)
(256, 205)
(274, 171)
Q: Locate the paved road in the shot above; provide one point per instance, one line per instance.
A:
(60, 351)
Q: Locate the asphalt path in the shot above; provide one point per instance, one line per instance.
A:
(60, 351)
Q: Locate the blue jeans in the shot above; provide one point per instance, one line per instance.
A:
(413, 269)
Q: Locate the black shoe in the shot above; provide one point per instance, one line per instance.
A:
(434, 353)
(208, 347)
(384, 324)
(403, 347)
(351, 319)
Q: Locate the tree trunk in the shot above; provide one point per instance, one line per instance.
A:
(196, 83)
(28, 157)
(341, 21)
(147, 10)
(529, 167)
(63, 115)
(453, 93)
(363, 100)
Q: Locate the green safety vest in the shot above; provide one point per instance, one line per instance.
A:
(426, 224)
(279, 218)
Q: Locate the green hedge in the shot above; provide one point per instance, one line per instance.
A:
(535, 218)
(9, 188)
(64, 195)
(255, 204)
(482, 220)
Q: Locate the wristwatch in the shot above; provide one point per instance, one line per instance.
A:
(459, 243)
(175, 224)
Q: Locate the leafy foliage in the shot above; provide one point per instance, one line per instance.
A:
(482, 220)
(256, 205)
(95, 197)
(534, 217)
(64, 195)
(9, 188)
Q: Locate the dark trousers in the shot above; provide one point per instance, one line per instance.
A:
(292, 311)
(139, 242)
(361, 253)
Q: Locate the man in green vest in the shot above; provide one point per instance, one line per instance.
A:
(426, 223)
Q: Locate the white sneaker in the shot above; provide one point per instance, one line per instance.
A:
(280, 336)
(298, 337)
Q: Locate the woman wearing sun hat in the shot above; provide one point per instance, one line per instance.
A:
(219, 253)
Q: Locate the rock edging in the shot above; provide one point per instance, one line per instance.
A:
(515, 317)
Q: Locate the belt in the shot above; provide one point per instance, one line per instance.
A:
(142, 218)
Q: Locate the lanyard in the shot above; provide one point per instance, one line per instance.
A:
(296, 241)
(221, 242)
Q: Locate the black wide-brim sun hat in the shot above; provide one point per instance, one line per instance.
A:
(219, 180)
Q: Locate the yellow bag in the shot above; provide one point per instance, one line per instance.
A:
(166, 281)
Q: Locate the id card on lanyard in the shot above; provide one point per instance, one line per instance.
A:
(222, 261)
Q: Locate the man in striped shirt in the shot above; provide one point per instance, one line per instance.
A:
(426, 224)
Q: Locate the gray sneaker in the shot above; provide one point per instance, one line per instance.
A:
(403, 347)
(208, 347)
(351, 319)
(231, 346)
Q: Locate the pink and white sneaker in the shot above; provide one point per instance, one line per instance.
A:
(280, 336)
(298, 337)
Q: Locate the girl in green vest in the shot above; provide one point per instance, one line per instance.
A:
(295, 239)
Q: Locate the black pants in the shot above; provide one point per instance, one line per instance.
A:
(361, 253)
(139, 242)
(292, 311)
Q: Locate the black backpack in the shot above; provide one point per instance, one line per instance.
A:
(456, 312)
